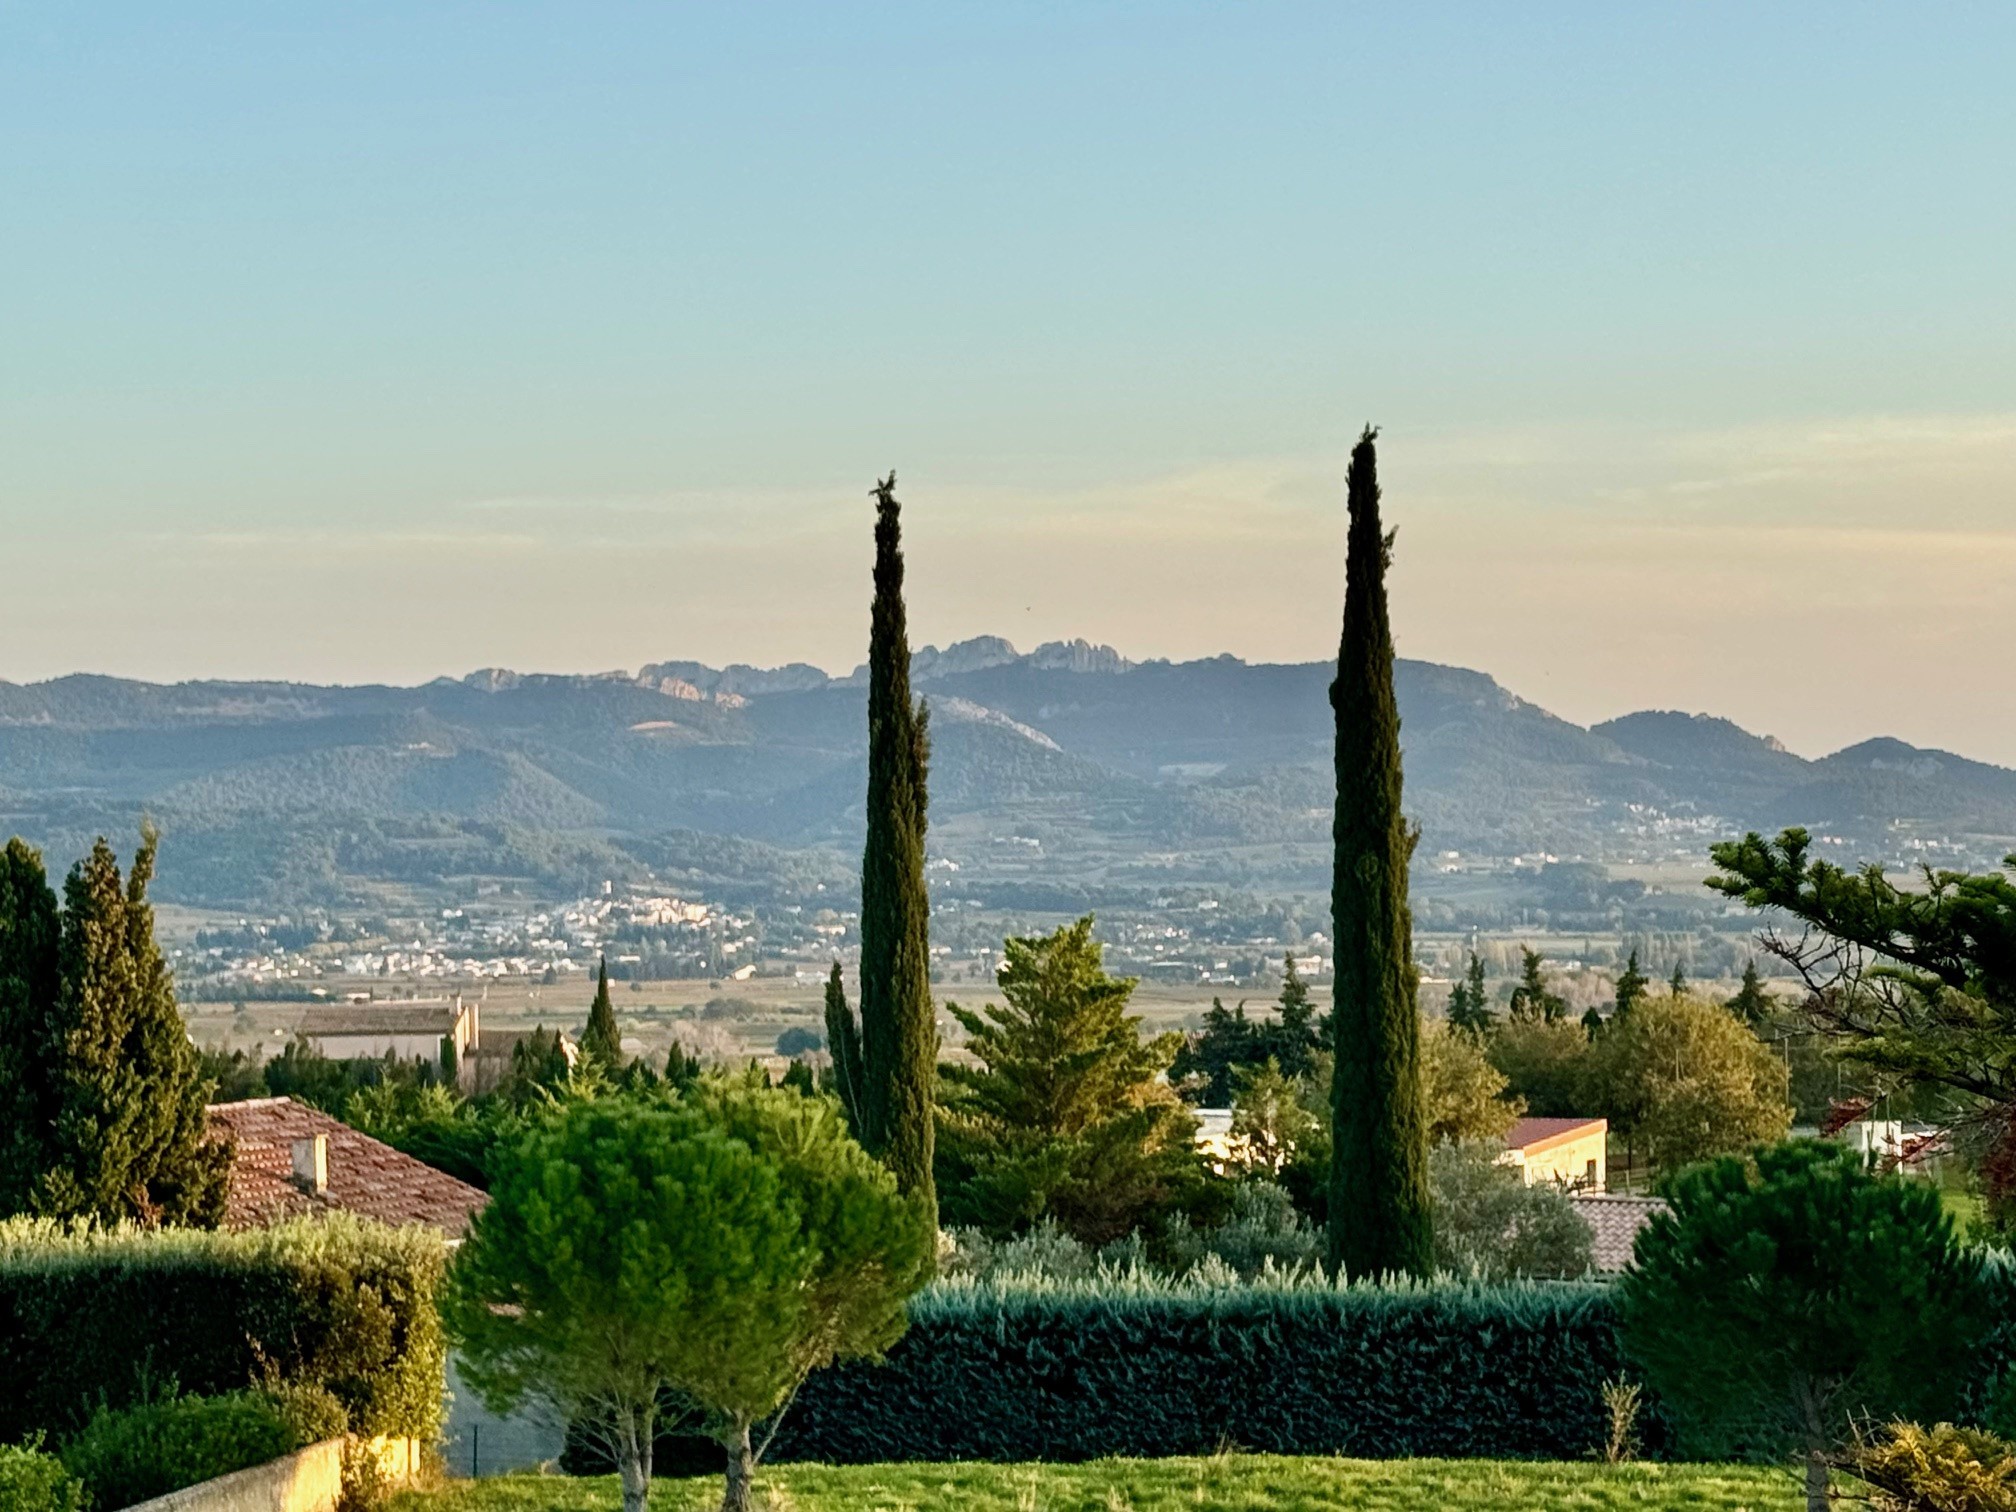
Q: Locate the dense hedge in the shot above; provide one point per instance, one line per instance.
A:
(1074, 1371)
(109, 1318)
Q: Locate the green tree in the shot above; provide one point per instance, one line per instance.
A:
(1470, 1002)
(899, 1030)
(1379, 1216)
(602, 1041)
(1293, 1039)
(1066, 1112)
(1463, 1093)
(106, 1062)
(1686, 1081)
(1676, 986)
(1530, 999)
(1631, 987)
(1270, 1122)
(30, 979)
(1752, 1004)
(843, 1035)
(1791, 1293)
(715, 1251)
(1208, 1063)
(1544, 1065)
(1491, 1226)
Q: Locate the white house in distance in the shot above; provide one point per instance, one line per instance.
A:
(409, 1031)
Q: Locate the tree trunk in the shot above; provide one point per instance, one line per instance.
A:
(741, 1470)
(633, 1466)
(1817, 1498)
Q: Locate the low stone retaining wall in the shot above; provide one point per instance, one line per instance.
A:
(308, 1480)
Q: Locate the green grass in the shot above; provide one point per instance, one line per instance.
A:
(1225, 1483)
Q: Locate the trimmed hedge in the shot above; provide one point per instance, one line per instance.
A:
(111, 1317)
(1146, 1368)
(131, 1454)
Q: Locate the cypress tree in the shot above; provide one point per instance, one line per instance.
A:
(899, 1032)
(843, 1038)
(601, 1041)
(1470, 1001)
(1678, 984)
(1379, 1219)
(29, 930)
(1631, 986)
(125, 1138)
(1752, 1003)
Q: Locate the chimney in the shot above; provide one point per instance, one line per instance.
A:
(311, 1164)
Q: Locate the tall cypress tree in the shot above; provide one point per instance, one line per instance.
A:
(1379, 1219)
(119, 1083)
(1631, 986)
(29, 930)
(899, 1032)
(602, 1041)
(843, 1039)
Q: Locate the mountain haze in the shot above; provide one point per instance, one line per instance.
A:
(1110, 769)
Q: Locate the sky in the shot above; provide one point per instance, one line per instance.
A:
(374, 342)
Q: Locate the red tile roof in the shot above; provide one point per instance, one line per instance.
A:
(1614, 1220)
(366, 1177)
(1531, 1133)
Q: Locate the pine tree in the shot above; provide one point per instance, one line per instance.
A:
(1291, 1041)
(29, 931)
(899, 1031)
(1592, 1021)
(1752, 1003)
(1531, 1001)
(1470, 1002)
(1631, 986)
(109, 1062)
(843, 1038)
(601, 1041)
(1379, 1218)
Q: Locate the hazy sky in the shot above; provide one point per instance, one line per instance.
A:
(380, 341)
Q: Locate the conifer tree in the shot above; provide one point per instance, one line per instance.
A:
(1631, 986)
(899, 1031)
(601, 1041)
(1678, 984)
(1530, 999)
(843, 1038)
(29, 931)
(1752, 1003)
(1293, 1042)
(1470, 1002)
(1379, 1218)
(107, 1061)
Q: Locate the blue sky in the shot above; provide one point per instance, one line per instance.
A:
(376, 341)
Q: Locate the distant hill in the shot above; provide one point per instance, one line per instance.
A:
(1104, 767)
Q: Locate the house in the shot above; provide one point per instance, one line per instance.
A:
(1614, 1221)
(489, 1062)
(289, 1159)
(1572, 1152)
(407, 1031)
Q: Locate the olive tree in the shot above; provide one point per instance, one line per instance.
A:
(701, 1256)
(1792, 1293)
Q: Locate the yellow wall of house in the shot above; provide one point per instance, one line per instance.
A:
(1572, 1162)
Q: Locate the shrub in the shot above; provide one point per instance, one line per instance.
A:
(1144, 1367)
(1491, 1226)
(1792, 1293)
(31, 1481)
(1945, 1469)
(128, 1454)
(90, 1316)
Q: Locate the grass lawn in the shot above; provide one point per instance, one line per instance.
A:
(1229, 1483)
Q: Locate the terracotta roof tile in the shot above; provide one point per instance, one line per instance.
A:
(1614, 1220)
(366, 1177)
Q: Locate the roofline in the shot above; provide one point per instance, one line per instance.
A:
(1582, 1130)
